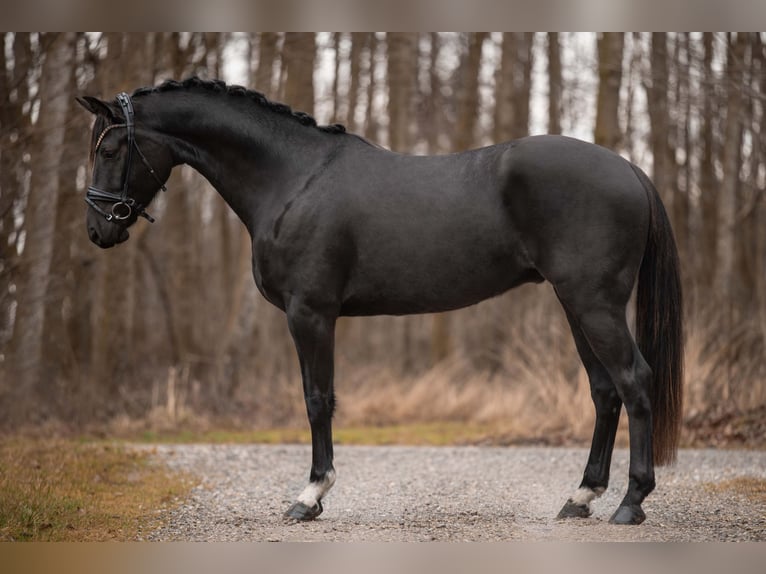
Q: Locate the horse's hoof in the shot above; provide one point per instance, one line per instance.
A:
(303, 513)
(628, 515)
(572, 510)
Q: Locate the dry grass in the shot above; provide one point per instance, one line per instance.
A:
(537, 393)
(752, 488)
(725, 366)
(431, 434)
(56, 490)
(534, 390)
(542, 405)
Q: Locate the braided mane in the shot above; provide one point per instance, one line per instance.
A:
(219, 86)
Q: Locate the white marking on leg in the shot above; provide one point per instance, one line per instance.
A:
(584, 495)
(315, 491)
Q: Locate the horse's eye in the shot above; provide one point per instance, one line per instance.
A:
(108, 153)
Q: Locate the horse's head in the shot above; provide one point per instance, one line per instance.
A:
(130, 164)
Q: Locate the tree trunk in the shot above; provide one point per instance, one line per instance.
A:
(708, 183)
(40, 220)
(681, 205)
(358, 40)
(432, 116)
(513, 86)
(749, 193)
(760, 208)
(555, 83)
(467, 101)
(71, 242)
(523, 84)
(267, 55)
(299, 54)
(657, 101)
(336, 38)
(14, 129)
(610, 48)
(402, 73)
(370, 119)
(727, 207)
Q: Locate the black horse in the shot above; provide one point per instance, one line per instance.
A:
(341, 226)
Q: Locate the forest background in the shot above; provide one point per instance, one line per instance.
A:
(167, 331)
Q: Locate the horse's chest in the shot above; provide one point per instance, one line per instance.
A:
(269, 274)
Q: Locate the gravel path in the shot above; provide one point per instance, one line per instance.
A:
(452, 494)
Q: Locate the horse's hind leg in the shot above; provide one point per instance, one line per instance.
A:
(603, 324)
(314, 336)
(607, 402)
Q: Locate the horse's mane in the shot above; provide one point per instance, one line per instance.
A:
(219, 86)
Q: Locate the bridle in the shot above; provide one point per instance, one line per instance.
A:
(122, 205)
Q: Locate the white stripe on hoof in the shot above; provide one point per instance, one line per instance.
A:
(315, 491)
(584, 495)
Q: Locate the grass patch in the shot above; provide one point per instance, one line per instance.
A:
(59, 490)
(418, 434)
(752, 488)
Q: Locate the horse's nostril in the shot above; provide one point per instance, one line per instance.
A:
(93, 234)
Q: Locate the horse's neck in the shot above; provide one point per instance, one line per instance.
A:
(247, 157)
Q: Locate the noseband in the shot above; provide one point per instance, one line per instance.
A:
(122, 205)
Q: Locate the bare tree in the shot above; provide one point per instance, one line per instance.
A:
(267, 56)
(14, 133)
(555, 83)
(682, 141)
(432, 124)
(299, 54)
(708, 238)
(402, 74)
(727, 205)
(68, 286)
(513, 86)
(358, 41)
(370, 119)
(610, 49)
(40, 215)
(657, 103)
(337, 62)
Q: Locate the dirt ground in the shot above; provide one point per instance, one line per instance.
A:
(401, 493)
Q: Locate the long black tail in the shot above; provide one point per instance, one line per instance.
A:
(659, 327)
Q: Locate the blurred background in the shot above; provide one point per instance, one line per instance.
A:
(167, 331)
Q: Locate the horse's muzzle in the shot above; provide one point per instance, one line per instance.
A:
(106, 242)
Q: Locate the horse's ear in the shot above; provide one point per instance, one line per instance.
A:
(96, 106)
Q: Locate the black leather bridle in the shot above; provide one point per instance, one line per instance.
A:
(122, 205)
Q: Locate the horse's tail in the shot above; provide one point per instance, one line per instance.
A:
(659, 327)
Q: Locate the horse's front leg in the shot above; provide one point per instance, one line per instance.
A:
(313, 332)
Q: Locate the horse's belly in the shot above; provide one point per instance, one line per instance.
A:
(427, 279)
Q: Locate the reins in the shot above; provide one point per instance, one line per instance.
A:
(122, 204)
